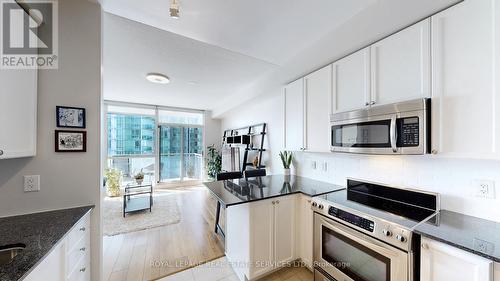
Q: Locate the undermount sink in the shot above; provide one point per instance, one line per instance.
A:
(8, 252)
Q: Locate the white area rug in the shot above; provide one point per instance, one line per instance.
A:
(165, 211)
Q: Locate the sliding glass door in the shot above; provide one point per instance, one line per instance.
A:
(181, 153)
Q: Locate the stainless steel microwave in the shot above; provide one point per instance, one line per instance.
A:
(399, 128)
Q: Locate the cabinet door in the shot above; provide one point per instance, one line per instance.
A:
(284, 231)
(497, 272)
(443, 262)
(18, 113)
(262, 237)
(318, 96)
(305, 230)
(400, 65)
(294, 115)
(463, 100)
(351, 82)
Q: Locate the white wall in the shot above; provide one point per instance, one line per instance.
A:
(67, 179)
(450, 177)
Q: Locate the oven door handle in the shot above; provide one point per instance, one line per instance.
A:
(393, 134)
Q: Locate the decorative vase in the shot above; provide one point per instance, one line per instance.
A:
(139, 181)
(286, 172)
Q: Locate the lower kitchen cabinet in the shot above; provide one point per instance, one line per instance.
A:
(443, 262)
(304, 230)
(497, 272)
(70, 259)
(261, 235)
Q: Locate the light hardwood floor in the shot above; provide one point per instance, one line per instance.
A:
(158, 252)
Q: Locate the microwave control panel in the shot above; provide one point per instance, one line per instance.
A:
(409, 132)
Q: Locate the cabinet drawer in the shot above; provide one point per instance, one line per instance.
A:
(81, 272)
(77, 252)
(81, 228)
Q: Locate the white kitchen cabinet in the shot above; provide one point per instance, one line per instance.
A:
(443, 262)
(51, 267)
(351, 82)
(400, 65)
(18, 113)
(284, 229)
(464, 102)
(318, 92)
(294, 118)
(69, 260)
(304, 230)
(497, 272)
(261, 235)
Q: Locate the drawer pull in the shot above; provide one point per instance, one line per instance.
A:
(83, 269)
(425, 246)
(83, 229)
(83, 249)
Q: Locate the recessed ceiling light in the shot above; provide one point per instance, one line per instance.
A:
(157, 78)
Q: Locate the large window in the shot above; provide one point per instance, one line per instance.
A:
(132, 145)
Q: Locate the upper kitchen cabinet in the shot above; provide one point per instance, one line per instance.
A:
(400, 65)
(294, 115)
(464, 80)
(318, 92)
(18, 113)
(351, 82)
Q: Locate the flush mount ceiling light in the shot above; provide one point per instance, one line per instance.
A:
(174, 9)
(157, 78)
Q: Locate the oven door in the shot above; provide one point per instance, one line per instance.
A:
(349, 255)
(372, 135)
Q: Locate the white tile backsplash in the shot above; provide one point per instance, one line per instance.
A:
(452, 178)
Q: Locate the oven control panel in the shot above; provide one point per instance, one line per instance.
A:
(358, 221)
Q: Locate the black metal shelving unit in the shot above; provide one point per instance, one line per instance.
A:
(247, 140)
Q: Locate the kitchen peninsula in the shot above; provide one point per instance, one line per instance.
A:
(268, 221)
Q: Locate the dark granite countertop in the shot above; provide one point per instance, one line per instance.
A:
(475, 235)
(40, 232)
(239, 191)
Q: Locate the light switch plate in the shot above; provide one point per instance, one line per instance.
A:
(31, 183)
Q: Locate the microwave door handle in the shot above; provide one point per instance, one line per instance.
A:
(393, 134)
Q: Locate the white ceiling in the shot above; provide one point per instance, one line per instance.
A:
(269, 30)
(222, 46)
(201, 75)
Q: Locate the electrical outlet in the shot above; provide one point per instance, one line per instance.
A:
(31, 183)
(484, 189)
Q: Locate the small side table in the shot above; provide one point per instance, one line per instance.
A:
(137, 197)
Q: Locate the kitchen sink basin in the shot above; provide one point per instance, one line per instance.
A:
(8, 252)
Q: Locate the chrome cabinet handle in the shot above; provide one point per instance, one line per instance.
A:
(367, 103)
(83, 249)
(277, 201)
(425, 246)
(82, 229)
(373, 102)
(83, 269)
(1, 152)
(393, 134)
(274, 202)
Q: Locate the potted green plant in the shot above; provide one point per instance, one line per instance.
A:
(139, 177)
(113, 181)
(214, 162)
(286, 160)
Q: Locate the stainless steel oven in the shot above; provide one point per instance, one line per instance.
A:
(400, 128)
(342, 253)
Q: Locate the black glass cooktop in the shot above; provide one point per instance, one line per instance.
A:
(403, 206)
